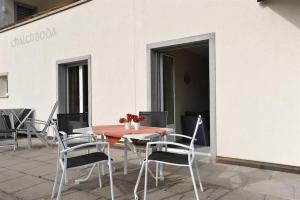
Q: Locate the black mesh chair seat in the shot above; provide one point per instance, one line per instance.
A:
(169, 157)
(86, 159)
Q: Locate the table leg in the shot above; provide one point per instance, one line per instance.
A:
(161, 167)
(125, 156)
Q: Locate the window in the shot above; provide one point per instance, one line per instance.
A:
(23, 11)
(3, 85)
(74, 85)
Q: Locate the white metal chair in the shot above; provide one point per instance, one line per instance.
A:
(153, 119)
(175, 159)
(65, 162)
(32, 128)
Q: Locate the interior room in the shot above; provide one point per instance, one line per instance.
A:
(185, 89)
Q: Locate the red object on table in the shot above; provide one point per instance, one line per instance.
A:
(115, 132)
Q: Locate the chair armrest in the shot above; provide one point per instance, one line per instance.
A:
(168, 143)
(77, 137)
(180, 135)
(84, 145)
(35, 122)
(40, 121)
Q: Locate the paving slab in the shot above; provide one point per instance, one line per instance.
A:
(272, 188)
(38, 191)
(29, 174)
(19, 183)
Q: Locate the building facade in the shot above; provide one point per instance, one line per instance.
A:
(118, 57)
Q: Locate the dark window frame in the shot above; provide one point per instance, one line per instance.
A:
(43, 14)
(5, 75)
(25, 5)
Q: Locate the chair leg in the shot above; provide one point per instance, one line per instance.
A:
(156, 174)
(15, 141)
(43, 138)
(99, 171)
(61, 184)
(29, 140)
(102, 169)
(194, 182)
(66, 179)
(138, 181)
(146, 180)
(55, 181)
(198, 175)
(125, 157)
(111, 180)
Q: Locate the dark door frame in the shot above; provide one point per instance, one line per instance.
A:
(153, 83)
(60, 76)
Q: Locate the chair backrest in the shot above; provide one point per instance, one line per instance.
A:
(198, 124)
(23, 117)
(3, 124)
(61, 144)
(6, 122)
(155, 119)
(68, 122)
(48, 122)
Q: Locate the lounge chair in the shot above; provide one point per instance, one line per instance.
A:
(42, 134)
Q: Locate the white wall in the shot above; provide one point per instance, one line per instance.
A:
(257, 56)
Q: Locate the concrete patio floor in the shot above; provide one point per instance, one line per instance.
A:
(28, 174)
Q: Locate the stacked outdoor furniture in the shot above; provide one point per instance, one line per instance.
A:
(22, 121)
(33, 127)
(7, 131)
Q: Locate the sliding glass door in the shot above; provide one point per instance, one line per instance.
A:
(77, 89)
(167, 87)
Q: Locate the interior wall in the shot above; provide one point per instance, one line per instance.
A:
(193, 96)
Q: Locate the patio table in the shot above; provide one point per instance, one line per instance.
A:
(115, 133)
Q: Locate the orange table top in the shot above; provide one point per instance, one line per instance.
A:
(116, 132)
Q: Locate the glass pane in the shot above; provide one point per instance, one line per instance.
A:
(85, 89)
(168, 87)
(73, 89)
(3, 86)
